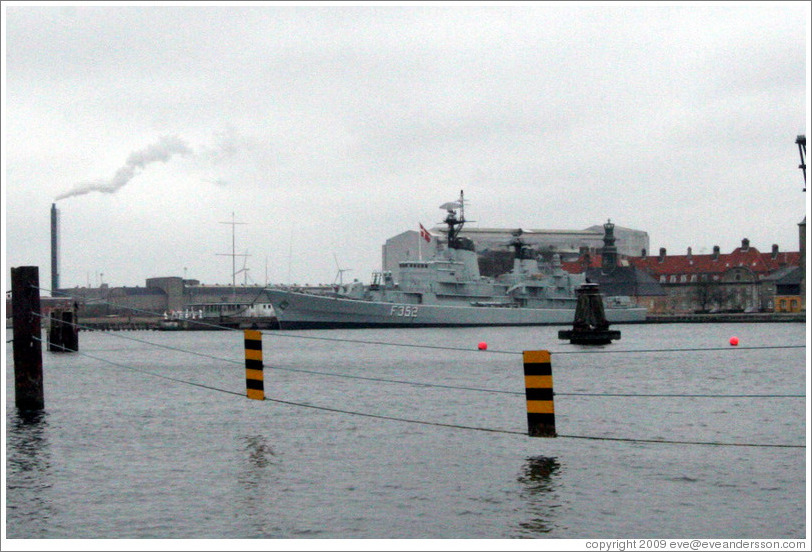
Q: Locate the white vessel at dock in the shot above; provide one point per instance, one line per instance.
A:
(215, 316)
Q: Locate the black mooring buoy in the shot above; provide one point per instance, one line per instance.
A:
(590, 326)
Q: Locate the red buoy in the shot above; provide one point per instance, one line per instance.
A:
(483, 346)
(734, 340)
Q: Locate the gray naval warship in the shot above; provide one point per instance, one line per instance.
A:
(447, 290)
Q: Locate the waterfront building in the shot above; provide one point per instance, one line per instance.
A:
(744, 280)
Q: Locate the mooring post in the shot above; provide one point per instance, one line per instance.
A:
(590, 326)
(27, 327)
(54, 332)
(254, 381)
(63, 332)
(70, 330)
(538, 383)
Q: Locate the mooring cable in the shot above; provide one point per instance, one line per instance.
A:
(147, 372)
(277, 333)
(681, 350)
(677, 442)
(522, 393)
(157, 345)
(436, 424)
(685, 395)
(421, 384)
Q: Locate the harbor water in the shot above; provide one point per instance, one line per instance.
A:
(150, 435)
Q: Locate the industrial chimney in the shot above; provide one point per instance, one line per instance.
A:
(54, 249)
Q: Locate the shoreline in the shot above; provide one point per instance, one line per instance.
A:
(726, 317)
(153, 323)
(149, 323)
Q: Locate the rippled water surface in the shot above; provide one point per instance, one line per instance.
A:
(121, 453)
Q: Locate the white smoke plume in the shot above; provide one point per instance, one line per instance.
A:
(163, 151)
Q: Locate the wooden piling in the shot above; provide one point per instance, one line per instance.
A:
(27, 344)
(63, 333)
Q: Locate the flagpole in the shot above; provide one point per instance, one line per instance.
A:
(419, 246)
(422, 235)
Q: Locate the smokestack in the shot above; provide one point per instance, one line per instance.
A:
(54, 249)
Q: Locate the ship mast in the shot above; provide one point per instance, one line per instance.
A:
(520, 250)
(454, 224)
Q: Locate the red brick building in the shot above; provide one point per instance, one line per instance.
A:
(739, 281)
(744, 280)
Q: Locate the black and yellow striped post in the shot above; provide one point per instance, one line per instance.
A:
(254, 382)
(538, 383)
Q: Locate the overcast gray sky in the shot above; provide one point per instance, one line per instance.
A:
(328, 129)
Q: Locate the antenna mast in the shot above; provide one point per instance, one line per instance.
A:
(454, 224)
(233, 255)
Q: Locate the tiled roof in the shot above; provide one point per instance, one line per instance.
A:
(751, 258)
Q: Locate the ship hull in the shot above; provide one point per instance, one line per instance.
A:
(309, 311)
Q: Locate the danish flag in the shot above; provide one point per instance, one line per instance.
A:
(425, 234)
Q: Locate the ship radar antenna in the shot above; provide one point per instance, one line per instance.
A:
(520, 248)
(454, 222)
